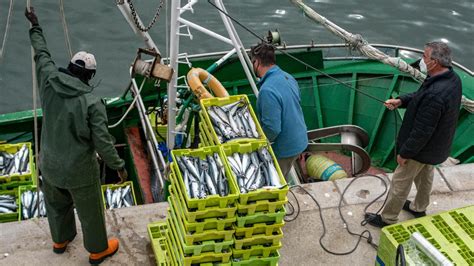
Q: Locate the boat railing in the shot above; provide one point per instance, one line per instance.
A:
(396, 50)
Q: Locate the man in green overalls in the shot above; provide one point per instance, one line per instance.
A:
(74, 128)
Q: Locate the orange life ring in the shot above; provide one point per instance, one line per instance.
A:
(197, 77)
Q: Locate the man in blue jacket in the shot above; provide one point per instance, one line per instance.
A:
(278, 107)
(425, 136)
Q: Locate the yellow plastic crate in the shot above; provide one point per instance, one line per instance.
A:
(222, 258)
(261, 251)
(116, 186)
(217, 223)
(278, 194)
(12, 149)
(273, 240)
(270, 206)
(10, 217)
(212, 200)
(258, 229)
(261, 217)
(158, 233)
(205, 103)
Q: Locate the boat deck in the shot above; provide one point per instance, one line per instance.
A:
(29, 242)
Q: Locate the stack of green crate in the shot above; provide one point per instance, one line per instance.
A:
(260, 213)
(200, 230)
(9, 183)
(451, 232)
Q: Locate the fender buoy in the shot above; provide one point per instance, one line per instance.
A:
(197, 77)
(322, 168)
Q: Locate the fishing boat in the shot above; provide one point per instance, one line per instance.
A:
(336, 89)
(342, 91)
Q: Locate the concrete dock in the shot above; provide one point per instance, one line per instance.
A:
(29, 242)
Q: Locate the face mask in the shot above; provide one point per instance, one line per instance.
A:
(422, 65)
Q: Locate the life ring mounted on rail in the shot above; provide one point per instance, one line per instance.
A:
(198, 77)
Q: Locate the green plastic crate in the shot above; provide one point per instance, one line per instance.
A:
(116, 186)
(13, 148)
(158, 233)
(450, 232)
(255, 251)
(258, 229)
(278, 194)
(260, 217)
(10, 217)
(272, 260)
(270, 206)
(206, 224)
(210, 212)
(22, 189)
(212, 200)
(222, 258)
(204, 128)
(224, 101)
(204, 246)
(13, 185)
(197, 238)
(272, 240)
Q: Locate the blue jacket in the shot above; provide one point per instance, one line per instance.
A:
(280, 113)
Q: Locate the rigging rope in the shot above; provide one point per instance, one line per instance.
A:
(7, 28)
(65, 28)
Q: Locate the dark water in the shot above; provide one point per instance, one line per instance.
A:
(98, 27)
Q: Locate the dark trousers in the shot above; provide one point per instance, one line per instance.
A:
(90, 209)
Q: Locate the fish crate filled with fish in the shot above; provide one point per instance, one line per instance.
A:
(9, 206)
(230, 119)
(158, 233)
(202, 179)
(30, 205)
(254, 168)
(118, 195)
(271, 260)
(204, 258)
(16, 162)
(193, 215)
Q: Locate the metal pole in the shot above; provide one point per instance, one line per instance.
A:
(174, 51)
(234, 37)
(152, 147)
(126, 12)
(205, 31)
(35, 114)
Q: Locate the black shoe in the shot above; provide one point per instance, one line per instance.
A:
(375, 220)
(406, 207)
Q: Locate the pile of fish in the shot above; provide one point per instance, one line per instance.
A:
(233, 121)
(119, 198)
(7, 204)
(17, 163)
(203, 177)
(29, 200)
(254, 170)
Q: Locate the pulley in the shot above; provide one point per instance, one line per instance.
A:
(151, 68)
(273, 37)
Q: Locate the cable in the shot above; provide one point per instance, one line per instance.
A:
(363, 235)
(130, 107)
(65, 28)
(7, 29)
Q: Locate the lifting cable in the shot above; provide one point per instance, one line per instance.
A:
(65, 28)
(7, 28)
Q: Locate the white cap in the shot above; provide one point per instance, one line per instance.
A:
(87, 58)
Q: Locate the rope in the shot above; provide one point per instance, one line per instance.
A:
(7, 28)
(130, 107)
(468, 104)
(35, 115)
(65, 28)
